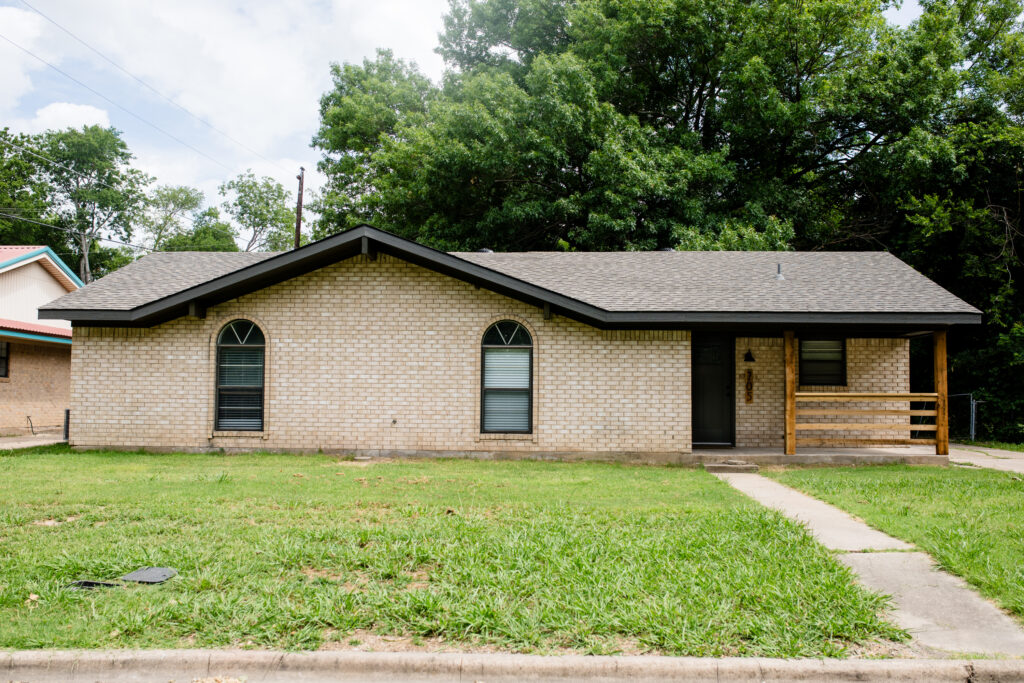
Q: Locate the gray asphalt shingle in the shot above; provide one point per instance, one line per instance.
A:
(825, 282)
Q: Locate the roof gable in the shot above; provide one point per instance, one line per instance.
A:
(604, 289)
(17, 256)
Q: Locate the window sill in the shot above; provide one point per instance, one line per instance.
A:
(4, 379)
(505, 436)
(240, 435)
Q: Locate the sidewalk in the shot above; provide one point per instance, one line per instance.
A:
(29, 440)
(991, 458)
(939, 610)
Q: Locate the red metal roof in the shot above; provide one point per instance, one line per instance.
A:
(34, 328)
(8, 252)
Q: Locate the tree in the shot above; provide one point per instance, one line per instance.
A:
(208, 233)
(635, 124)
(93, 188)
(25, 195)
(262, 209)
(166, 213)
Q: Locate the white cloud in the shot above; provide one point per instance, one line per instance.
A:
(60, 115)
(254, 69)
(24, 28)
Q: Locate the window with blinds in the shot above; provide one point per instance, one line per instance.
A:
(823, 362)
(507, 379)
(240, 353)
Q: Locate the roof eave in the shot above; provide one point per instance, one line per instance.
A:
(368, 240)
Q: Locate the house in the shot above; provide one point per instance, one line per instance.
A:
(35, 358)
(368, 342)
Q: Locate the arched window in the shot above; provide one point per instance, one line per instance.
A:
(506, 397)
(240, 349)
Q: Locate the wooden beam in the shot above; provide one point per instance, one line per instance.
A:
(855, 426)
(942, 389)
(841, 411)
(547, 311)
(789, 341)
(367, 248)
(196, 309)
(829, 396)
(839, 442)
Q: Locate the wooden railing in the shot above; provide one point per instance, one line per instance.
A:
(939, 399)
(845, 425)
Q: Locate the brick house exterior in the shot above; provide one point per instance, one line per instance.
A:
(370, 343)
(35, 358)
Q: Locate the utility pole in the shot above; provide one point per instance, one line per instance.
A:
(298, 209)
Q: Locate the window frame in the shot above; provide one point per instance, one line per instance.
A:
(5, 354)
(844, 373)
(484, 390)
(238, 389)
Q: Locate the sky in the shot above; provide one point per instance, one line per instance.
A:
(249, 73)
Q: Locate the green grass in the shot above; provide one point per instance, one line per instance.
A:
(291, 551)
(1002, 445)
(971, 521)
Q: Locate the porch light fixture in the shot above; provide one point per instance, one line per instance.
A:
(748, 357)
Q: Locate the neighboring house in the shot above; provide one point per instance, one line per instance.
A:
(35, 358)
(365, 341)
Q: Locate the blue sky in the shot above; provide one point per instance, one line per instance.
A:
(253, 69)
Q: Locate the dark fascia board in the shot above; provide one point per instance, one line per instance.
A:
(369, 240)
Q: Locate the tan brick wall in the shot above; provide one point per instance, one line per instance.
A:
(382, 356)
(872, 365)
(37, 386)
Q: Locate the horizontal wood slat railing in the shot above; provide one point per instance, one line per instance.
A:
(940, 399)
(852, 397)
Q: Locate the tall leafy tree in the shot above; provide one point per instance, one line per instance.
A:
(207, 233)
(262, 208)
(95, 192)
(25, 196)
(167, 212)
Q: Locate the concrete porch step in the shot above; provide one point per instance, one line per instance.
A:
(738, 466)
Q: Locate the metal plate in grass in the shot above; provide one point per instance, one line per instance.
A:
(151, 575)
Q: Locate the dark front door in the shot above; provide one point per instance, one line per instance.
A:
(713, 385)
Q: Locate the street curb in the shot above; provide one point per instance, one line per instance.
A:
(259, 665)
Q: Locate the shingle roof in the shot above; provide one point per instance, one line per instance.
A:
(834, 282)
(155, 276)
(606, 289)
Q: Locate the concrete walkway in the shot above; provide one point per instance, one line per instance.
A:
(939, 610)
(29, 440)
(991, 458)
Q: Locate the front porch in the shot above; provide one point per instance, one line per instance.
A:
(810, 455)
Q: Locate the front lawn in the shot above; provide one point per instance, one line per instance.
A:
(309, 551)
(970, 520)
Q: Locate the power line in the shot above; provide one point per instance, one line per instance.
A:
(150, 87)
(124, 109)
(74, 232)
(103, 184)
(97, 238)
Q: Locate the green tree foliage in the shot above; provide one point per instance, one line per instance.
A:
(208, 233)
(635, 124)
(262, 208)
(167, 212)
(25, 194)
(95, 192)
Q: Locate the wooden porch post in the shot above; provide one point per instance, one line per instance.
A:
(790, 353)
(942, 389)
